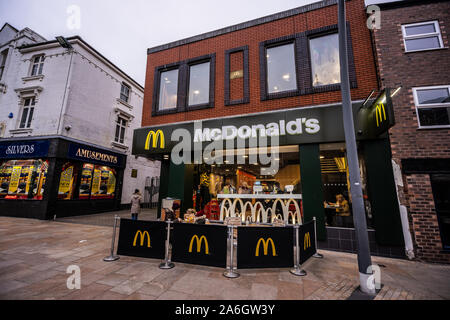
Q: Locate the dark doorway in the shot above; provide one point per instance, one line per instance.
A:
(440, 184)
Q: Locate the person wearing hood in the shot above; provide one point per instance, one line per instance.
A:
(136, 200)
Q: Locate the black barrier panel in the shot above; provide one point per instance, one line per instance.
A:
(265, 247)
(306, 241)
(200, 244)
(142, 238)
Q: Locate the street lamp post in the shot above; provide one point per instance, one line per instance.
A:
(359, 217)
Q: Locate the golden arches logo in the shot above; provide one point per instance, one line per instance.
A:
(378, 115)
(199, 243)
(142, 236)
(307, 241)
(155, 135)
(265, 246)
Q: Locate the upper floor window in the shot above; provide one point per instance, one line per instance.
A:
(433, 106)
(168, 90)
(37, 65)
(199, 75)
(121, 126)
(281, 70)
(125, 92)
(27, 113)
(3, 56)
(325, 67)
(422, 36)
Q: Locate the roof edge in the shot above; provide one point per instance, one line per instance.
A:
(244, 25)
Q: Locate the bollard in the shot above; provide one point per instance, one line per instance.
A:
(113, 257)
(230, 273)
(316, 255)
(167, 264)
(297, 271)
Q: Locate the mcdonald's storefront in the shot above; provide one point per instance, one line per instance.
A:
(56, 176)
(206, 161)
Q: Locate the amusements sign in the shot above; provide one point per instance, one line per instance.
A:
(200, 244)
(307, 241)
(265, 247)
(142, 238)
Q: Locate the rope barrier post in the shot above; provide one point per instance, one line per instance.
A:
(167, 264)
(111, 256)
(297, 271)
(316, 255)
(230, 273)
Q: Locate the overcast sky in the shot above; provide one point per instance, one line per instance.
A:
(123, 30)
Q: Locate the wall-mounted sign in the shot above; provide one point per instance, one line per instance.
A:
(94, 155)
(294, 126)
(379, 116)
(24, 149)
(236, 74)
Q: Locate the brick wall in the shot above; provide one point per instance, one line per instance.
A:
(252, 36)
(415, 69)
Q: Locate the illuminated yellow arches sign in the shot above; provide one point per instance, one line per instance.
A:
(154, 136)
(199, 243)
(379, 115)
(265, 246)
(142, 237)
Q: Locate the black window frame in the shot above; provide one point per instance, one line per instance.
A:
(246, 98)
(273, 43)
(211, 58)
(183, 85)
(303, 63)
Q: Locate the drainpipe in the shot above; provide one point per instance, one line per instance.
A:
(64, 101)
(409, 249)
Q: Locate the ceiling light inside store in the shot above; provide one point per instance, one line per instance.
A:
(286, 76)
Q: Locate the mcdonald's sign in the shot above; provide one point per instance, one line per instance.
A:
(265, 247)
(135, 240)
(153, 137)
(306, 241)
(379, 116)
(199, 243)
(142, 236)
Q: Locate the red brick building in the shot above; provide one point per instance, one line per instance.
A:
(282, 68)
(412, 52)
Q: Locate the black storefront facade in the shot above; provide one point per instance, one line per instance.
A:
(310, 133)
(48, 177)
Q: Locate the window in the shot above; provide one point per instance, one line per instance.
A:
(103, 183)
(121, 125)
(67, 181)
(168, 90)
(124, 92)
(23, 179)
(281, 74)
(27, 113)
(37, 65)
(433, 106)
(422, 36)
(324, 52)
(199, 84)
(3, 56)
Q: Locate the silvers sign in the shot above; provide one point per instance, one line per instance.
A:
(271, 129)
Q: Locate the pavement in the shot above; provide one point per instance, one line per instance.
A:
(35, 255)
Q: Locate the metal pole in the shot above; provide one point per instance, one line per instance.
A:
(230, 273)
(167, 264)
(111, 256)
(359, 217)
(316, 255)
(297, 271)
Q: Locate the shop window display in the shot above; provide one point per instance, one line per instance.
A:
(23, 179)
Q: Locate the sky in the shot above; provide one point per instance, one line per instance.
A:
(122, 30)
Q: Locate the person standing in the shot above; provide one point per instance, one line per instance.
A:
(136, 200)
